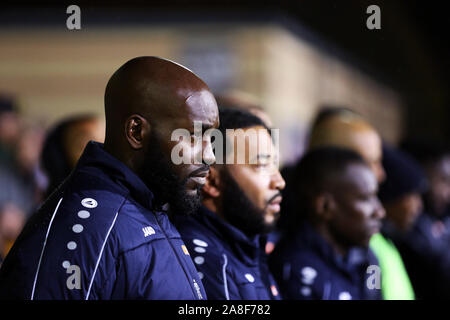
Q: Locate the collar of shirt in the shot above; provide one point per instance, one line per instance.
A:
(247, 248)
(95, 157)
(356, 257)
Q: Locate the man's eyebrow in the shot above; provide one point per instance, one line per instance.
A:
(205, 126)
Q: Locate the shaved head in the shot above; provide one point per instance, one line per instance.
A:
(152, 87)
(146, 99)
(352, 132)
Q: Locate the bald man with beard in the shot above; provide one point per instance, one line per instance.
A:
(105, 232)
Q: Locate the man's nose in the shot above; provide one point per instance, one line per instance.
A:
(208, 154)
(379, 212)
(277, 181)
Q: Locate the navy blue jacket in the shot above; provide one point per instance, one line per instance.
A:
(306, 267)
(426, 256)
(97, 237)
(232, 266)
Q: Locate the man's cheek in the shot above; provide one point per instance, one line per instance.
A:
(363, 209)
(184, 153)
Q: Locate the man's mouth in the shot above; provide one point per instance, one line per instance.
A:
(199, 180)
(274, 203)
(375, 227)
(200, 172)
(199, 175)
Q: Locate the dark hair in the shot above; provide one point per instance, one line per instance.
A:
(425, 151)
(7, 103)
(311, 176)
(232, 118)
(328, 111)
(403, 175)
(54, 158)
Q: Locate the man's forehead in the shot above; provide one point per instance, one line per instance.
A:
(261, 134)
(360, 177)
(368, 145)
(201, 106)
(193, 106)
(254, 143)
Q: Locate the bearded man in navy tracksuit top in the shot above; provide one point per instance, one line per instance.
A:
(104, 234)
(226, 237)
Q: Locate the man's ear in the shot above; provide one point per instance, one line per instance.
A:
(324, 205)
(137, 130)
(211, 187)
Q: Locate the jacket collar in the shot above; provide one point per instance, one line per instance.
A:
(96, 158)
(355, 258)
(247, 248)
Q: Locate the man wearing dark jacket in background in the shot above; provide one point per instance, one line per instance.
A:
(324, 254)
(425, 254)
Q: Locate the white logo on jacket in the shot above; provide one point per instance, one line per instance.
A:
(148, 231)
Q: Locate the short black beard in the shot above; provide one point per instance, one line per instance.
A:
(166, 186)
(238, 209)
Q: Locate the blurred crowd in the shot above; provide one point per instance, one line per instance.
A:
(412, 245)
(34, 160)
(408, 202)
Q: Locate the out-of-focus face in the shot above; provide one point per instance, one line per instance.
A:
(368, 144)
(29, 147)
(357, 212)
(354, 134)
(79, 134)
(404, 211)
(9, 127)
(259, 179)
(439, 179)
(12, 220)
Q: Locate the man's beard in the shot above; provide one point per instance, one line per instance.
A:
(159, 176)
(239, 210)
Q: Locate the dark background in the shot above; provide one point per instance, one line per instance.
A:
(410, 52)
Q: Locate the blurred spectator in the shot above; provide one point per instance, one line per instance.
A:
(290, 199)
(326, 255)
(20, 144)
(241, 100)
(20, 181)
(9, 129)
(12, 220)
(345, 128)
(65, 143)
(401, 191)
(341, 127)
(435, 160)
(423, 245)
